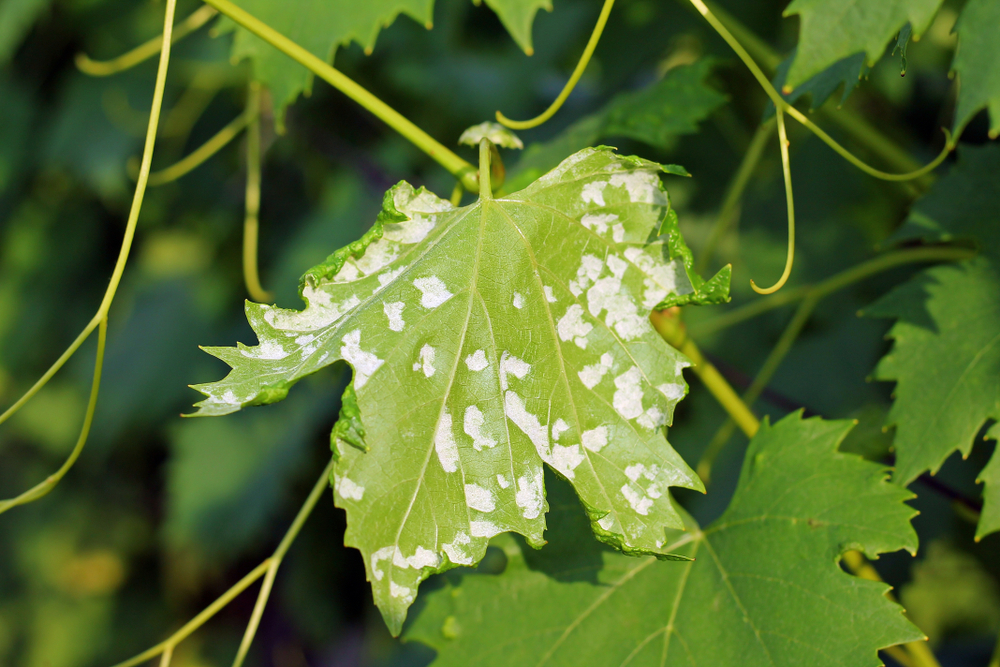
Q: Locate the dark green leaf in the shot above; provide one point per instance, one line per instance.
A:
(831, 30)
(764, 588)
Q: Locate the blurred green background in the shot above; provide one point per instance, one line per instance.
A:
(161, 515)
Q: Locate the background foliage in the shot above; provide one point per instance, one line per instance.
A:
(161, 515)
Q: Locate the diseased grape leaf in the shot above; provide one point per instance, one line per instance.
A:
(321, 27)
(764, 588)
(946, 356)
(655, 115)
(484, 341)
(977, 64)
(830, 30)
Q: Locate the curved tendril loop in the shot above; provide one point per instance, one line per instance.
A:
(145, 51)
(250, 219)
(203, 152)
(786, 168)
(100, 318)
(595, 37)
(781, 104)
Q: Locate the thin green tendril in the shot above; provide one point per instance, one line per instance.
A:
(595, 37)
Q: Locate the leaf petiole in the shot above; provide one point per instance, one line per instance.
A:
(252, 201)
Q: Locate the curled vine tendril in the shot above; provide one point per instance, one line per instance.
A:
(595, 37)
(145, 51)
(781, 106)
(786, 169)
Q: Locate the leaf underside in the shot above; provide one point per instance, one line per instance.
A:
(946, 356)
(831, 30)
(764, 588)
(322, 27)
(486, 340)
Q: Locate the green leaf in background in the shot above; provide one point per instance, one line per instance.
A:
(946, 356)
(322, 27)
(831, 30)
(764, 588)
(977, 63)
(226, 478)
(16, 19)
(951, 593)
(655, 115)
(845, 72)
(484, 341)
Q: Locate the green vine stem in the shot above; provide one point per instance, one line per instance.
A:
(780, 103)
(811, 296)
(595, 37)
(995, 660)
(133, 217)
(208, 612)
(145, 51)
(268, 569)
(674, 333)
(199, 155)
(729, 214)
(455, 165)
(251, 223)
(43, 488)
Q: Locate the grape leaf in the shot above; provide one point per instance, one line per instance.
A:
(655, 115)
(484, 341)
(977, 63)
(764, 588)
(831, 30)
(946, 356)
(845, 72)
(321, 27)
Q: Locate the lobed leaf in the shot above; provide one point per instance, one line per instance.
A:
(946, 356)
(764, 587)
(486, 340)
(977, 63)
(831, 30)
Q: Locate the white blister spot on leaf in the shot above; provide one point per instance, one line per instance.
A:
(477, 361)
(595, 439)
(530, 495)
(628, 395)
(348, 489)
(571, 326)
(365, 363)
(426, 362)
(591, 375)
(394, 312)
(593, 193)
(479, 498)
(528, 423)
(518, 300)
(433, 291)
(513, 365)
(445, 445)
(473, 426)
